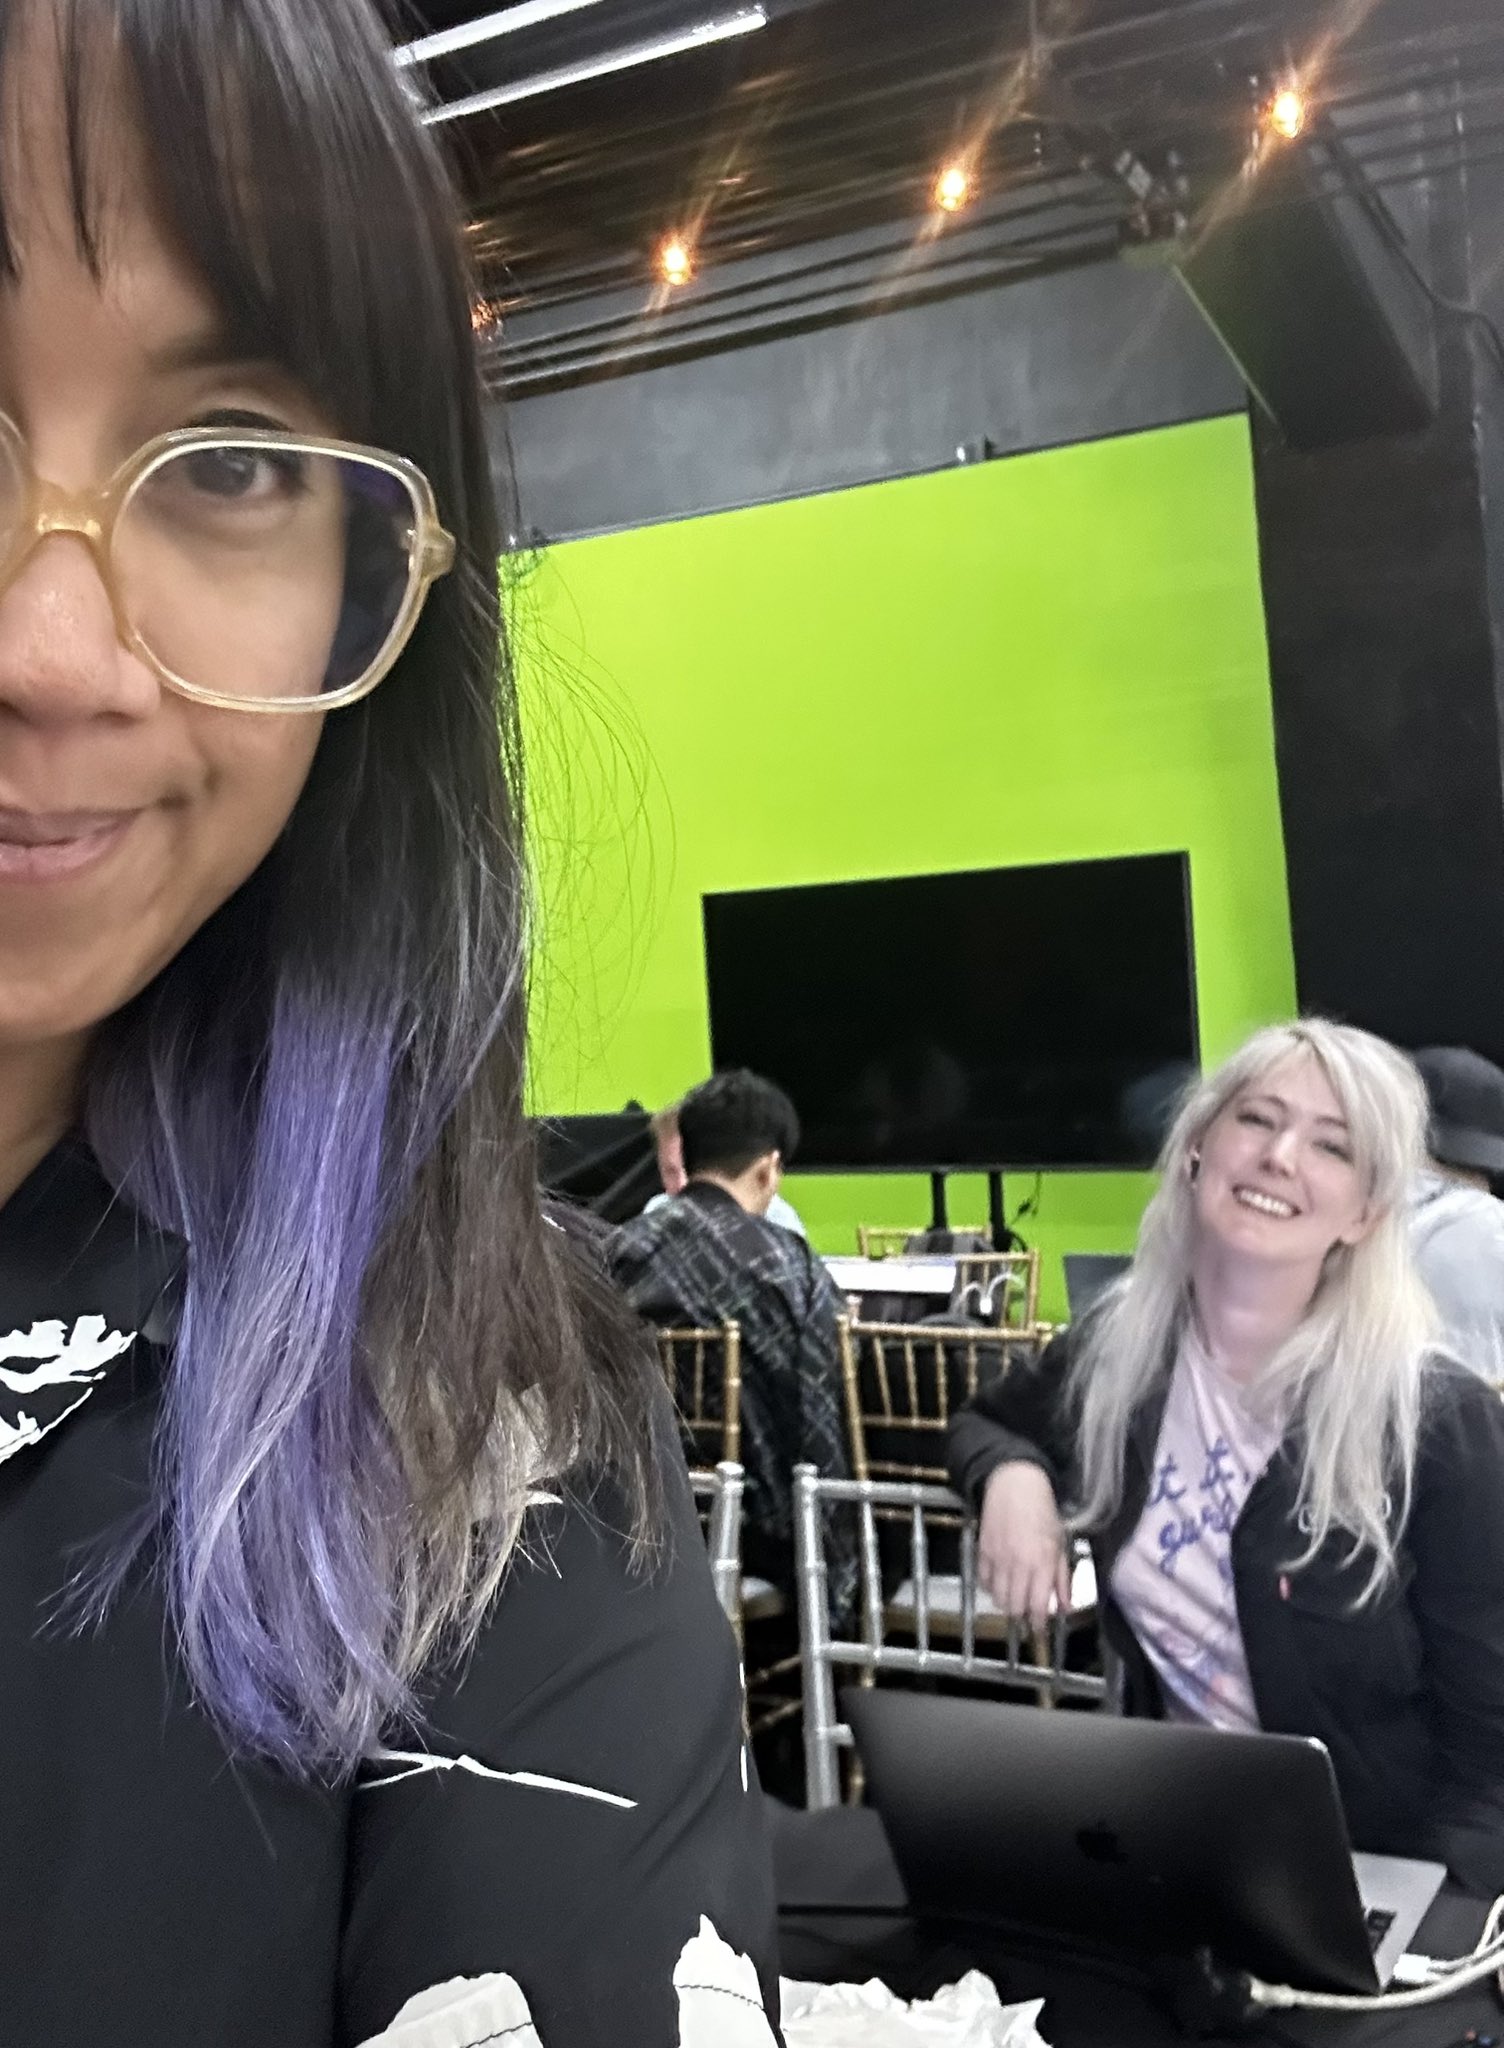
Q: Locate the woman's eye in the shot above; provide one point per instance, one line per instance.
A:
(244, 472)
(1334, 1150)
(1257, 1117)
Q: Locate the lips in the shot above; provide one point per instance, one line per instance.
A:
(42, 846)
(1264, 1204)
(56, 828)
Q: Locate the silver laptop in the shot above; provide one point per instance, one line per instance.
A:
(1088, 1275)
(1143, 1835)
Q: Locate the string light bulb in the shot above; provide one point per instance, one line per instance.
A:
(676, 263)
(953, 188)
(1287, 113)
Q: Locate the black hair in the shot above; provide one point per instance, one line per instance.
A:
(733, 1119)
(380, 1335)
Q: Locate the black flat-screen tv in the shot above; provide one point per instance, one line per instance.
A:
(1024, 1017)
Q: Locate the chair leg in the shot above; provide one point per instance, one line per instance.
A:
(1039, 1650)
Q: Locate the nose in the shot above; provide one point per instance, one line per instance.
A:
(61, 656)
(1283, 1149)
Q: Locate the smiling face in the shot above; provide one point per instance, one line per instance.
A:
(1276, 1180)
(128, 814)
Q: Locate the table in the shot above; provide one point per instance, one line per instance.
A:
(843, 1917)
(926, 1276)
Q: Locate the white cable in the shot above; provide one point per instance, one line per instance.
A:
(1485, 1960)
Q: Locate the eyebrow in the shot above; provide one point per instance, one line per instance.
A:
(209, 348)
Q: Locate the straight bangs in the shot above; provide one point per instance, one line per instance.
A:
(317, 217)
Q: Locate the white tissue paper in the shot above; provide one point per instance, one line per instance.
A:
(460, 2013)
(965, 2015)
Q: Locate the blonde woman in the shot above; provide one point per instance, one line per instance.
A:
(1296, 1503)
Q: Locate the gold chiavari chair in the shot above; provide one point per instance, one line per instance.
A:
(703, 1368)
(903, 1382)
(1001, 1288)
(878, 1241)
(884, 1241)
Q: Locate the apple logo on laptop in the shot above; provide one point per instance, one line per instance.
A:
(1100, 1844)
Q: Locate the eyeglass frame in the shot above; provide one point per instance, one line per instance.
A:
(94, 515)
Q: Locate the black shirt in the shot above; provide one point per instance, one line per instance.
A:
(580, 1810)
(1407, 1692)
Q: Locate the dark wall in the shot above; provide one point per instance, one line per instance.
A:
(1074, 356)
(1382, 577)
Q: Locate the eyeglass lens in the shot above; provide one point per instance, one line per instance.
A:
(265, 572)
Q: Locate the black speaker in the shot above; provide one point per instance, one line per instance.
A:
(1303, 284)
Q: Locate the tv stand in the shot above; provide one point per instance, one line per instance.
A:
(1003, 1239)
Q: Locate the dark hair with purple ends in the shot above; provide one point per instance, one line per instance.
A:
(382, 1339)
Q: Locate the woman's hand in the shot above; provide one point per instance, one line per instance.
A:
(1021, 1551)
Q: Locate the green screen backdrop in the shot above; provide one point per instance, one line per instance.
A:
(1052, 657)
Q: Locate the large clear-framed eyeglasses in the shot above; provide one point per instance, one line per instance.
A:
(248, 568)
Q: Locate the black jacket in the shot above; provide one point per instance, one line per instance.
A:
(1408, 1692)
(578, 1806)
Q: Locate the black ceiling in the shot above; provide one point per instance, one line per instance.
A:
(828, 125)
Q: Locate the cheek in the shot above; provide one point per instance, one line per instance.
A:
(1223, 1156)
(1340, 1207)
(256, 767)
(70, 958)
(262, 632)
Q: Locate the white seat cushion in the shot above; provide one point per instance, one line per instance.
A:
(945, 1595)
(761, 1599)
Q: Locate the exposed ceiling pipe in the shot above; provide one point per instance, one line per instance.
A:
(447, 42)
(703, 34)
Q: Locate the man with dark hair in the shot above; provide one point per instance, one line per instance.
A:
(669, 1147)
(710, 1256)
(1456, 1223)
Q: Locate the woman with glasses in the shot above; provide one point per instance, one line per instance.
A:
(1296, 1505)
(360, 1672)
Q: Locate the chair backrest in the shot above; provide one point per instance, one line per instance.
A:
(704, 1373)
(904, 1381)
(999, 1665)
(892, 1241)
(880, 1241)
(999, 1287)
(718, 1494)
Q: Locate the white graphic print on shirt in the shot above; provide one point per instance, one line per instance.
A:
(70, 1364)
(1174, 1578)
(720, 2006)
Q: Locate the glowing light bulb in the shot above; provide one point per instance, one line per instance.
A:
(953, 188)
(676, 263)
(1287, 113)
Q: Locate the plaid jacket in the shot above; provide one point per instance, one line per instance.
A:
(702, 1259)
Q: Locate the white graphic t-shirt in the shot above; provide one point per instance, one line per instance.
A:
(1173, 1579)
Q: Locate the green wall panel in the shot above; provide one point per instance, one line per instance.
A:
(1047, 658)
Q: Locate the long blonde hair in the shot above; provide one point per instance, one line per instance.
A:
(1350, 1377)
